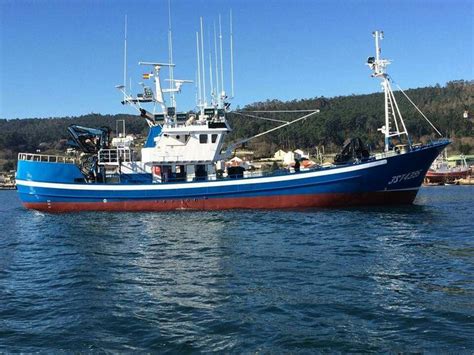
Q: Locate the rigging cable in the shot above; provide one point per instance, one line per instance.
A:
(426, 118)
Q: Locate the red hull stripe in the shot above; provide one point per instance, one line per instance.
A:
(268, 202)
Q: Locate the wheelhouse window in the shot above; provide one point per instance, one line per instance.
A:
(203, 138)
(214, 138)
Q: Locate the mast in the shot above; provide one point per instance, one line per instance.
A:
(158, 95)
(392, 112)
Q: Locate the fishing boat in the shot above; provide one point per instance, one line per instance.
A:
(441, 173)
(181, 165)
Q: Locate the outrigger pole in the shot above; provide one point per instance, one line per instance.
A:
(233, 146)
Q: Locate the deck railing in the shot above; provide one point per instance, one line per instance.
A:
(45, 158)
(115, 156)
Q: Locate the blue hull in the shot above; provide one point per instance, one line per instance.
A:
(396, 179)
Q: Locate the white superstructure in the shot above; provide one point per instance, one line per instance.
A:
(190, 145)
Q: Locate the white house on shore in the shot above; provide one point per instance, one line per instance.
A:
(279, 155)
(289, 157)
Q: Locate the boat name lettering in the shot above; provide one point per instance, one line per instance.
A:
(403, 177)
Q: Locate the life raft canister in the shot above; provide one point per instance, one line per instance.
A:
(156, 170)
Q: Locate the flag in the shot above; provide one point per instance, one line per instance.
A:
(146, 76)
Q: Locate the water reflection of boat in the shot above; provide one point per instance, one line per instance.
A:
(181, 162)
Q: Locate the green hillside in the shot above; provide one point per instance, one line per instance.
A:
(360, 115)
(50, 134)
(340, 117)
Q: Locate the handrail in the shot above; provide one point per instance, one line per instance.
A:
(112, 156)
(45, 158)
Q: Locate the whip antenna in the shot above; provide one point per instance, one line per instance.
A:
(231, 56)
(203, 67)
(222, 63)
(217, 70)
(125, 61)
(198, 72)
(170, 57)
(211, 79)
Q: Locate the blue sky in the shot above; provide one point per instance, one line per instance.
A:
(64, 58)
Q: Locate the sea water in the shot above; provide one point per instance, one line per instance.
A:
(348, 280)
